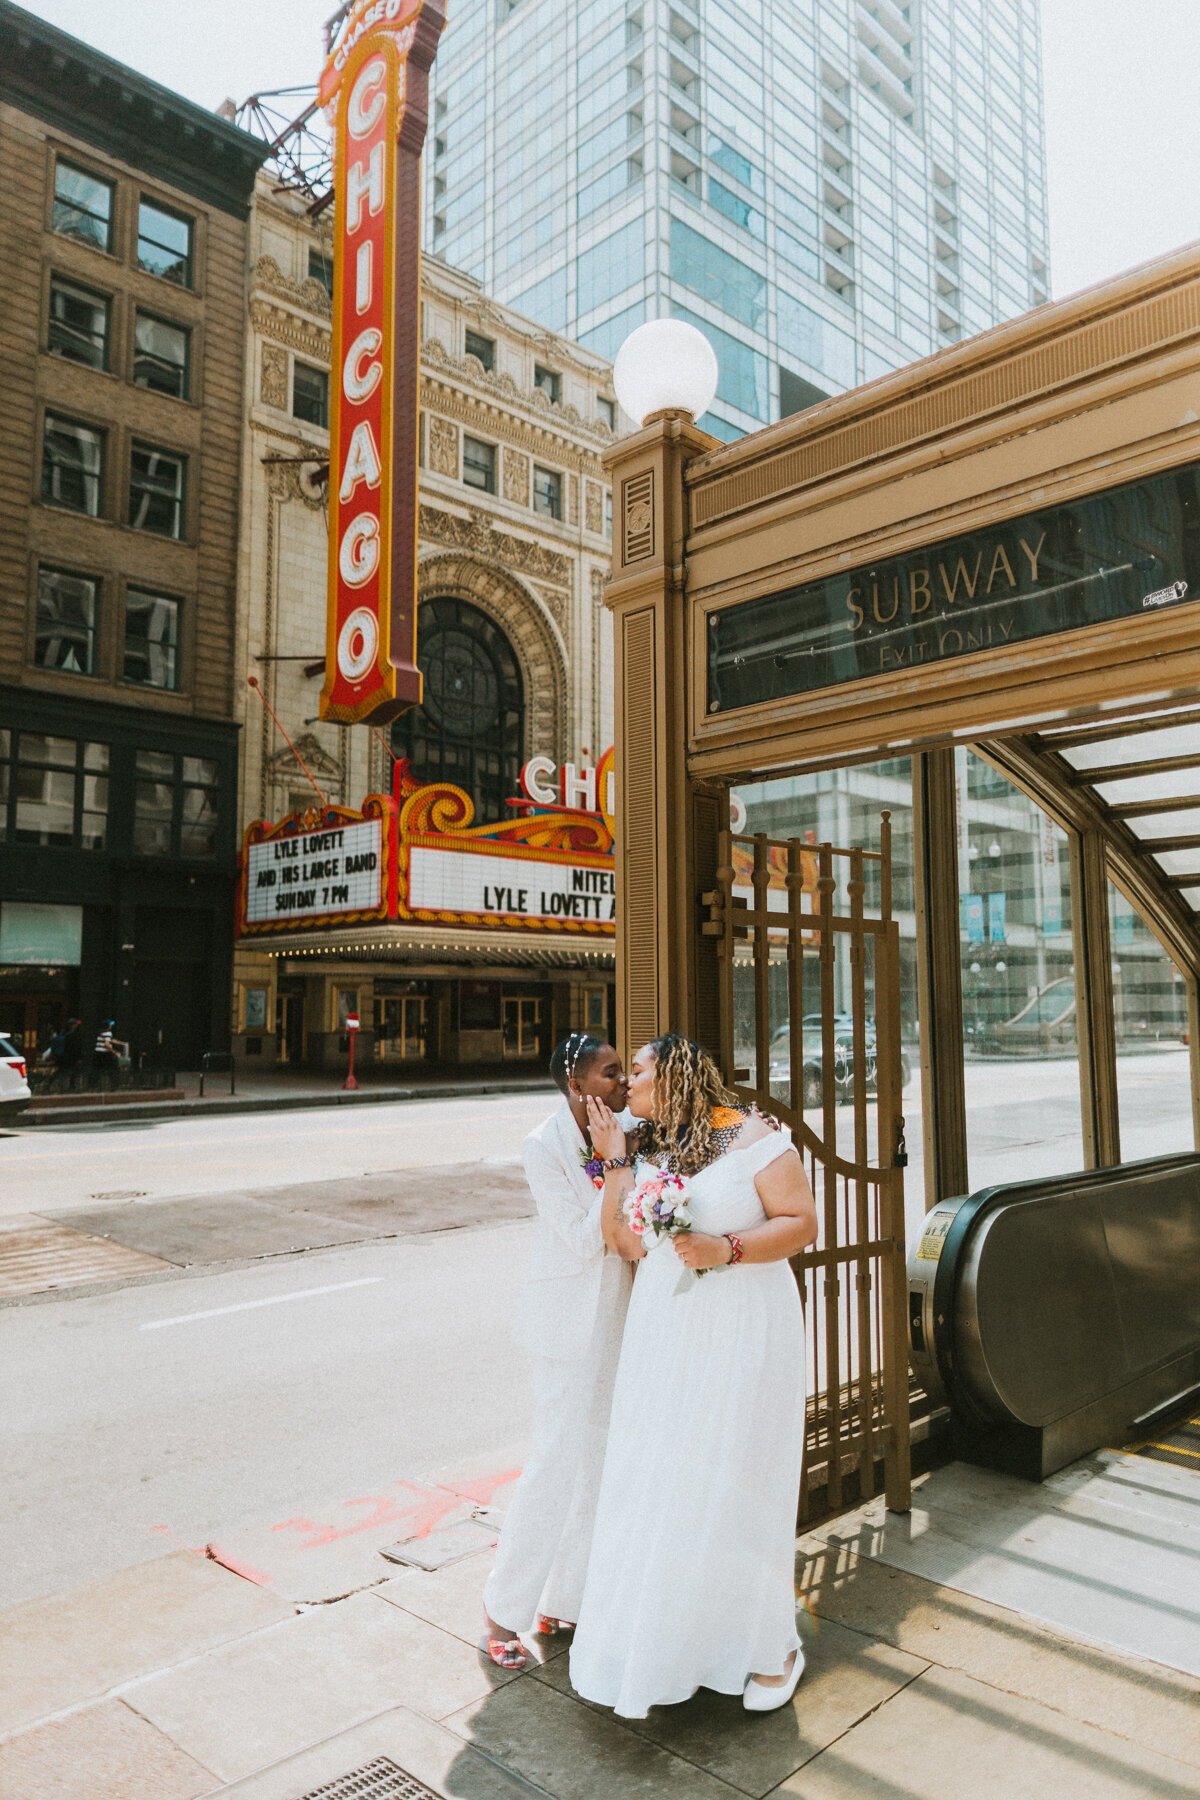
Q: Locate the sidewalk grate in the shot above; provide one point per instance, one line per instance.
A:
(381, 1779)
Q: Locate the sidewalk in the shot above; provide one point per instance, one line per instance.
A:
(180, 1678)
(282, 1092)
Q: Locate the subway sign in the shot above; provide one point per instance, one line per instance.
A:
(1130, 552)
(374, 90)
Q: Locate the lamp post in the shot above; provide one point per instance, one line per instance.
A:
(667, 825)
(350, 1085)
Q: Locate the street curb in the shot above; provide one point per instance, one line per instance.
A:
(232, 1103)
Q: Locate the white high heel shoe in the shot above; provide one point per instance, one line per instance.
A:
(758, 1698)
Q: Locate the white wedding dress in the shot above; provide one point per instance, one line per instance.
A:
(690, 1581)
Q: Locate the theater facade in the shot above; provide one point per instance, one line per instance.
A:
(483, 928)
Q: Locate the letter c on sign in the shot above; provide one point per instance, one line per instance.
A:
(358, 557)
(358, 383)
(368, 97)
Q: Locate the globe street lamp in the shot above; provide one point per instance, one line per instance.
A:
(665, 366)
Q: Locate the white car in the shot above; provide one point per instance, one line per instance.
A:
(14, 1085)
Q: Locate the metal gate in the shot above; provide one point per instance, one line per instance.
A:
(809, 959)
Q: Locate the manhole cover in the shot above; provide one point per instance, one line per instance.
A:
(121, 1194)
(378, 1780)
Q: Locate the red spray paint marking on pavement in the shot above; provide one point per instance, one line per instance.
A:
(421, 1516)
(245, 1570)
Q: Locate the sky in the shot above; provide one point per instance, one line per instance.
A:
(1122, 124)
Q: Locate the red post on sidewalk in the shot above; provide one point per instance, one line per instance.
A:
(352, 1030)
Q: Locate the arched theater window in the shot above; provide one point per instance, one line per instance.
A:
(471, 728)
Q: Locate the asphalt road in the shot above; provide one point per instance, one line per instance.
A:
(184, 1411)
(50, 1168)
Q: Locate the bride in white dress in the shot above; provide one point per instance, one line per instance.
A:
(690, 1581)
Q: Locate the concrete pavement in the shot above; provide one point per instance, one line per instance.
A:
(178, 1679)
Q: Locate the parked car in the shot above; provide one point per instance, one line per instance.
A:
(14, 1080)
(843, 1067)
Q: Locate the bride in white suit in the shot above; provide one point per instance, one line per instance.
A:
(570, 1319)
(690, 1582)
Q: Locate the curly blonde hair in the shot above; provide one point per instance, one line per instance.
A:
(688, 1090)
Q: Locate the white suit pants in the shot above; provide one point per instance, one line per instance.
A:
(542, 1557)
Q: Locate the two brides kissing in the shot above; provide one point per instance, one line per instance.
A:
(656, 1513)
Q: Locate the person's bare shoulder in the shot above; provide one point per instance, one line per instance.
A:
(757, 1126)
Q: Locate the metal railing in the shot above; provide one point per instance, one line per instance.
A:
(208, 1066)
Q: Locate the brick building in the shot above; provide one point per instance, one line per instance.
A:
(123, 226)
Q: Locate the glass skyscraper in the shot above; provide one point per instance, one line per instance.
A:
(828, 188)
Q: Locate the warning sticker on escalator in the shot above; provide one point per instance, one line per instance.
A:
(934, 1236)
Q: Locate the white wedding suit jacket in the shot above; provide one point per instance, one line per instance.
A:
(563, 1288)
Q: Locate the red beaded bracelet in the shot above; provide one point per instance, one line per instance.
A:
(735, 1244)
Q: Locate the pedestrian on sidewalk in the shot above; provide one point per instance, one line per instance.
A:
(571, 1318)
(109, 1050)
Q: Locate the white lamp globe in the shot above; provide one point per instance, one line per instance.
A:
(665, 365)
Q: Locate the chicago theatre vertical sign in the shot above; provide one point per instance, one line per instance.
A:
(374, 89)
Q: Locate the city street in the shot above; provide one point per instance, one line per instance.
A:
(316, 1302)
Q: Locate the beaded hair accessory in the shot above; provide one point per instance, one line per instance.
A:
(575, 1044)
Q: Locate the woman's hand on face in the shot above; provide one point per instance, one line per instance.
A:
(700, 1250)
(608, 1137)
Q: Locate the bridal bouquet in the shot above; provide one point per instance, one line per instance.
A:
(657, 1208)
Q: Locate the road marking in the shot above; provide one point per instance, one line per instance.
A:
(214, 1312)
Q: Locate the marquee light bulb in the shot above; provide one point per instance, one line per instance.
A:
(665, 364)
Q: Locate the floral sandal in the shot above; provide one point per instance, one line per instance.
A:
(506, 1653)
(548, 1627)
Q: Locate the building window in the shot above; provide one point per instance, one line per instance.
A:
(78, 324)
(156, 490)
(83, 206)
(151, 640)
(164, 243)
(153, 802)
(471, 729)
(549, 380)
(199, 807)
(176, 805)
(310, 395)
(73, 466)
(320, 268)
(608, 513)
(482, 347)
(479, 465)
(65, 626)
(607, 411)
(547, 492)
(53, 791)
(161, 356)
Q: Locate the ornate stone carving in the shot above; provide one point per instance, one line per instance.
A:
(435, 355)
(520, 616)
(272, 389)
(516, 477)
(593, 508)
(281, 327)
(555, 602)
(477, 534)
(597, 587)
(298, 481)
(572, 499)
(309, 294)
(283, 764)
(443, 447)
